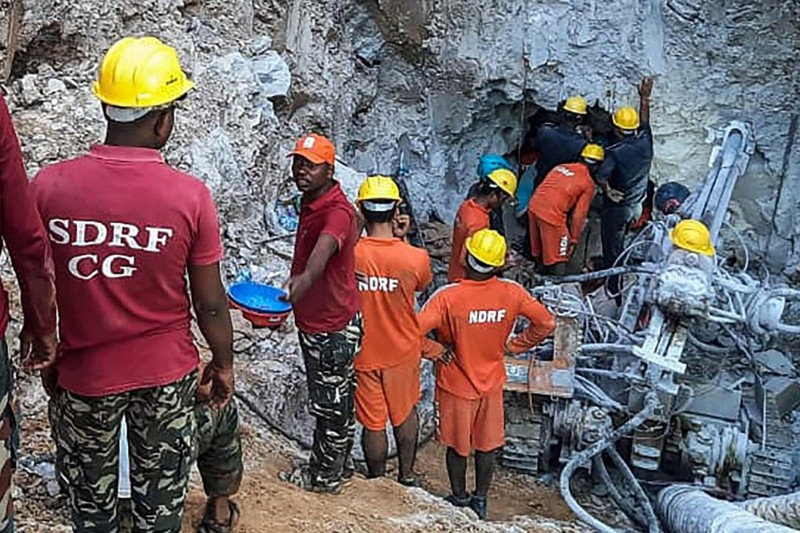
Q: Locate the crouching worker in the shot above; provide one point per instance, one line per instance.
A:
(477, 316)
(389, 272)
(558, 209)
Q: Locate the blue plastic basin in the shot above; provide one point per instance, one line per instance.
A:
(258, 297)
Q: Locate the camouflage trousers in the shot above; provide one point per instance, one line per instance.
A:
(218, 449)
(330, 373)
(161, 428)
(9, 439)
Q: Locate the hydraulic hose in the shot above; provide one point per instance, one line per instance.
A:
(653, 523)
(622, 502)
(650, 405)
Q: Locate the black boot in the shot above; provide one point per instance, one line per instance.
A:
(478, 504)
(452, 499)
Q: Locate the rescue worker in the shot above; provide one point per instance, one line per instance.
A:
(125, 229)
(476, 316)
(563, 143)
(323, 292)
(486, 165)
(558, 209)
(389, 272)
(25, 239)
(473, 215)
(623, 176)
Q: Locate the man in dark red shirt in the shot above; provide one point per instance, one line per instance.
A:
(24, 236)
(125, 229)
(324, 294)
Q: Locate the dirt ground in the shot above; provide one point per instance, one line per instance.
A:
(517, 503)
(367, 505)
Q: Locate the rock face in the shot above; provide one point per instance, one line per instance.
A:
(454, 78)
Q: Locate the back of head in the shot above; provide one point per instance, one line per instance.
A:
(574, 110)
(138, 75)
(140, 78)
(486, 252)
(378, 198)
(626, 119)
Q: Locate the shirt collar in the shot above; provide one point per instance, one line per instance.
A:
(126, 153)
(331, 195)
(476, 205)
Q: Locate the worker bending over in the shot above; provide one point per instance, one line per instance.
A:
(476, 316)
(388, 271)
(562, 143)
(323, 292)
(558, 209)
(473, 215)
(623, 176)
(125, 229)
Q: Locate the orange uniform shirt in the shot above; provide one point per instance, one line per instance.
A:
(388, 272)
(470, 218)
(478, 317)
(566, 189)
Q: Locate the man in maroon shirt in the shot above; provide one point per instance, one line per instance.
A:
(125, 230)
(24, 236)
(323, 292)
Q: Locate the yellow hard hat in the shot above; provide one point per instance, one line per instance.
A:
(488, 247)
(140, 73)
(626, 118)
(692, 236)
(505, 179)
(378, 188)
(575, 104)
(594, 152)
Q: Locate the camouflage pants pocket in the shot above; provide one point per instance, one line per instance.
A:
(161, 432)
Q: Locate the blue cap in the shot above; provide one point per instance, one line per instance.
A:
(491, 162)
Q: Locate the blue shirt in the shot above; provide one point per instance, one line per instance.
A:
(627, 165)
(556, 145)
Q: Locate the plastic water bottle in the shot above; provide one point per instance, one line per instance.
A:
(245, 275)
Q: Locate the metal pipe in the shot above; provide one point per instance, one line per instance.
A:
(650, 405)
(689, 510)
(598, 274)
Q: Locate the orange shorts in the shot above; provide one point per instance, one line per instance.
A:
(548, 242)
(467, 425)
(387, 394)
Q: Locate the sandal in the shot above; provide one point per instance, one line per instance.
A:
(209, 525)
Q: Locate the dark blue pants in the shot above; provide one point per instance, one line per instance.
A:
(614, 222)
